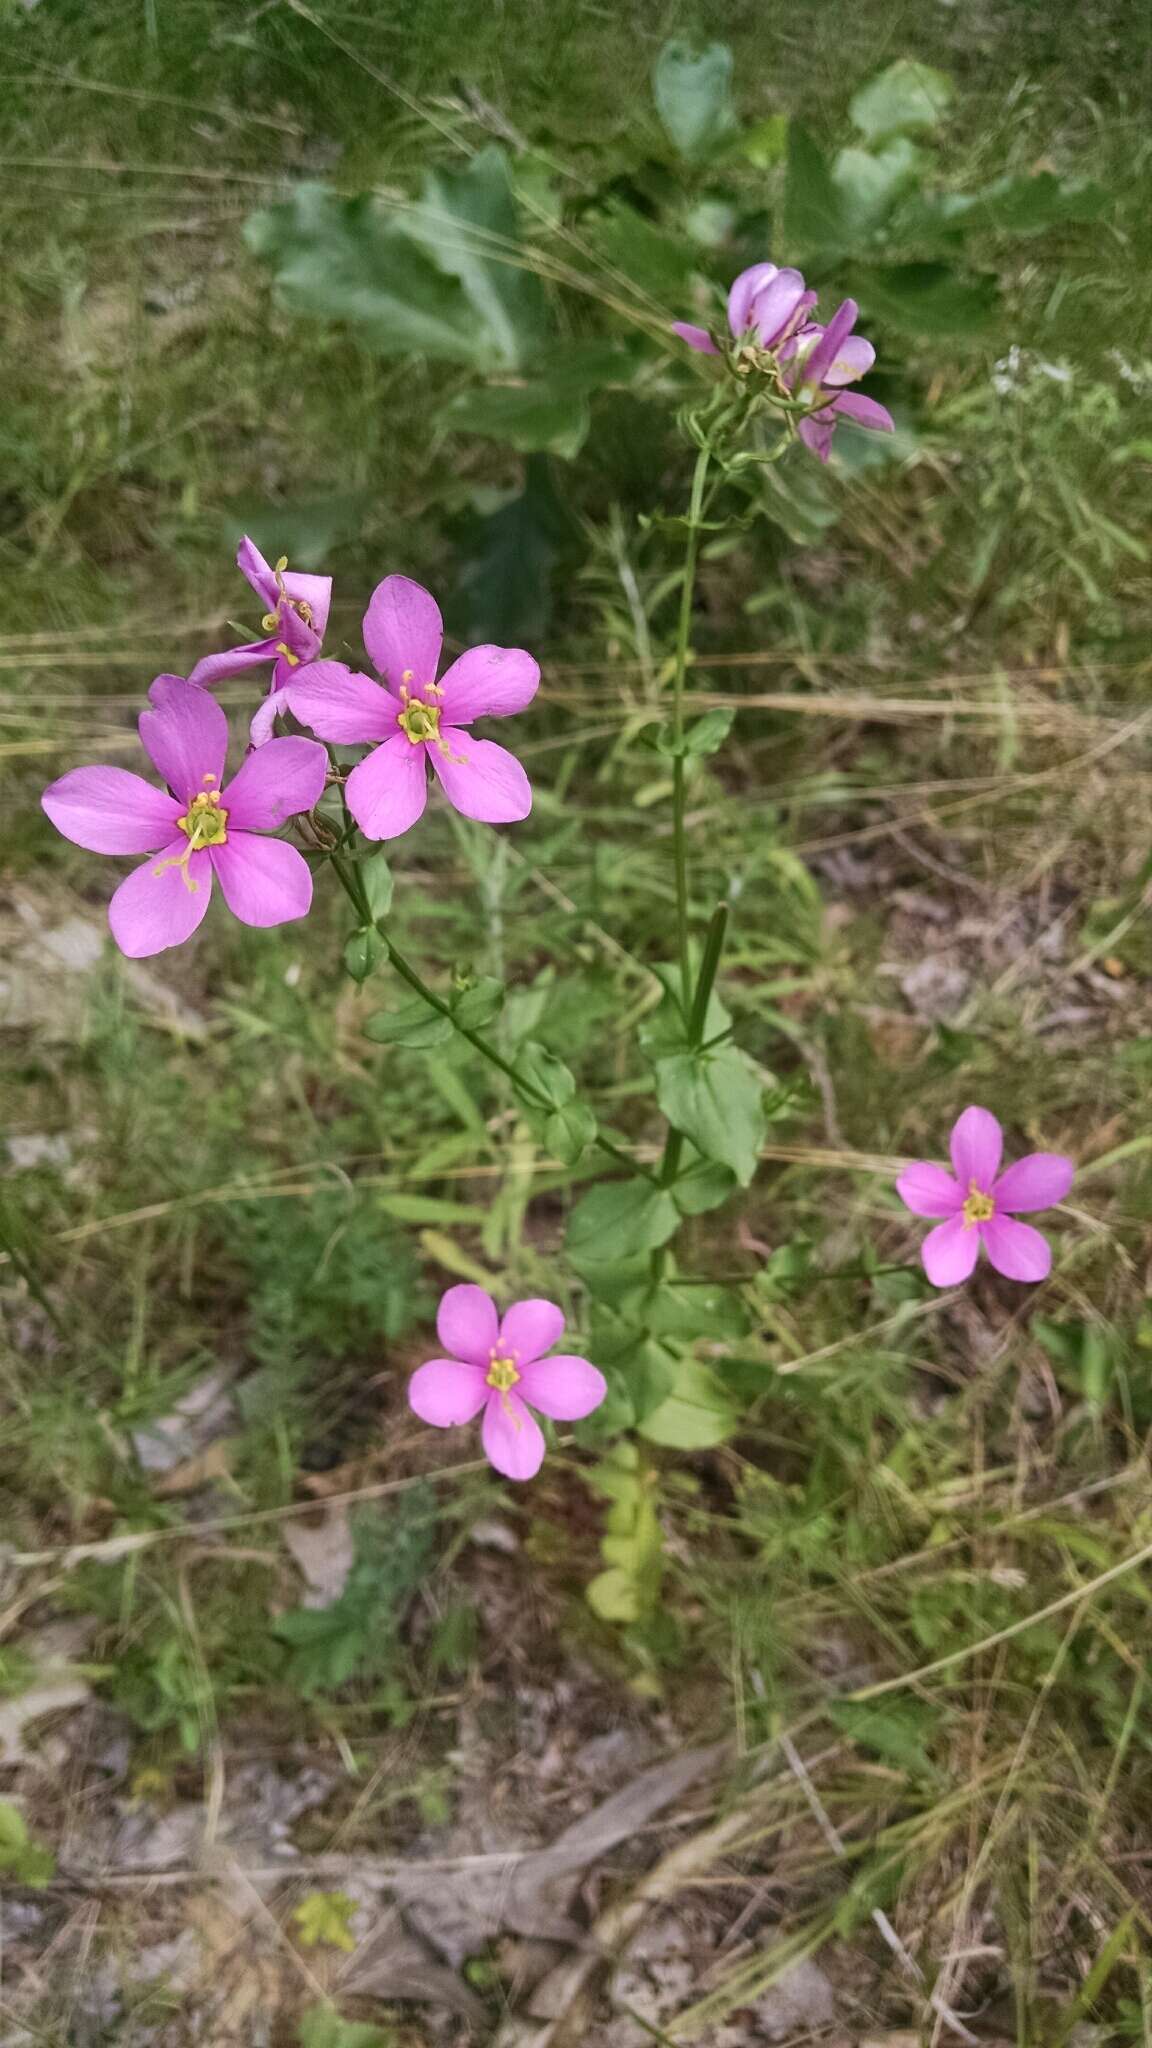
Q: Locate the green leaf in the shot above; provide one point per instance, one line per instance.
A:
(615, 1595)
(357, 1632)
(540, 1070)
(323, 1917)
(698, 1412)
(654, 261)
(569, 1132)
(1026, 205)
(470, 225)
(363, 952)
(377, 882)
(28, 1862)
(344, 260)
(766, 142)
(476, 1005)
(693, 91)
(522, 416)
(701, 1309)
(715, 1099)
(322, 2027)
(906, 99)
(813, 206)
(871, 181)
(898, 1731)
(619, 1218)
(928, 298)
(505, 584)
(413, 1025)
(708, 734)
(704, 1186)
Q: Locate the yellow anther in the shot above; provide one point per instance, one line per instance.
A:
(269, 622)
(502, 1374)
(281, 565)
(419, 722)
(407, 675)
(979, 1207)
(286, 654)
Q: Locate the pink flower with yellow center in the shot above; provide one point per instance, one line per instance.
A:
(417, 721)
(200, 829)
(981, 1204)
(499, 1367)
(295, 618)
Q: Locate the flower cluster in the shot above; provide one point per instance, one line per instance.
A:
(201, 828)
(792, 358)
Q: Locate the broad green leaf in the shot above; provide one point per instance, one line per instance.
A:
(1026, 205)
(766, 142)
(813, 206)
(322, 1919)
(543, 1072)
(614, 1595)
(413, 1025)
(505, 589)
(322, 2027)
(646, 255)
(307, 530)
(871, 181)
(698, 1412)
(523, 416)
(358, 1631)
(907, 98)
(569, 1131)
(708, 734)
(928, 298)
(363, 952)
(693, 91)
(899, 1731)
(469, 223)
(701, 1309)
(704, 1186)
(715, 1099)
(619, 1218)
(476, 1005)
(377, 880)
(343, 259)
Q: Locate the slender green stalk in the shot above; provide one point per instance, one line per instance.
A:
(353, 889)
(679, 779)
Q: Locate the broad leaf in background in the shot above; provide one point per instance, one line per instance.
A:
(697, 1413)
(905, 99)
(412, 1024)
(469, 224)
(654, 261)
(343, 259)
(814, 216)
(927, 298)
(322, 2027)
(617, 1219)
(548, 413)
(1027, 205)
(359, 1631)
(693, 91)
(504, 591)
(870, 183)
(715, 1099)
(307, 530)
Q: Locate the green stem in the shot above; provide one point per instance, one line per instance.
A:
(353, 889)
(679, 779)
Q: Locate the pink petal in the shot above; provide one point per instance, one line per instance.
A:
(1035, 1182)
(483, 780)
(854, 358)
(258, 572)
(775, 308)
(512, 1438)
(215, 667)
(265, 881)
(696, 337)
(816, 432)
(110, 810)
(186, 734)
(564, 1387)
(742, 292)
(488, 682)
(1015, 1249)
(949, 1252)
(976, 1144)
(388, 790)
(340, 705)
(284, 778)
(529, 1329)
(864, 412)
(315, 591)
(403, 632)
(826, 349)
(155, 908)
(929, 1190)
(466, 1324)
(265, 715)
(445, 1392)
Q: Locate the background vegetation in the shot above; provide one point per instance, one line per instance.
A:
(898, 1573)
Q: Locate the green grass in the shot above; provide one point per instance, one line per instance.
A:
(952, 768)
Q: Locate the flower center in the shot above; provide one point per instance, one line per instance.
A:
(205, 823)
(420, 722)
(502, 1373)
(979, 1207)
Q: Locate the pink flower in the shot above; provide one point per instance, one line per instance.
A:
(295, 618)
(765, 305)
(825, 359)
(417, 720)
(981, 1203)
(198, 828)
(500, 1367)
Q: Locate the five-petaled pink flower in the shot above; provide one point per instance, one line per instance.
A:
(821, 360)
(765, 306)
(296, 615)
(417, 720)
(499, 1366)
(981, 1203)
(199, 827)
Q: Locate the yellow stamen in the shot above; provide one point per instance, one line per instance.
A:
(269, 622)
(419, 722)
(283, 649)
(979, 1207)
(502, 1373)
(205, 823)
